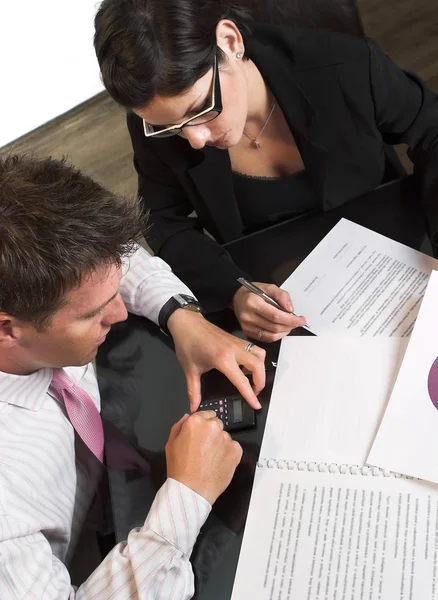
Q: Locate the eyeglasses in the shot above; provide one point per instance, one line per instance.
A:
(207, 115)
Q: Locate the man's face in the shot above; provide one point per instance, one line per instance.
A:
(76, 330)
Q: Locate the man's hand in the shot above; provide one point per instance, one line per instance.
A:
(201, 346)
(201, 455)
(261, 321)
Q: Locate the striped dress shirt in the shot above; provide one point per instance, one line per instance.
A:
(46, 488)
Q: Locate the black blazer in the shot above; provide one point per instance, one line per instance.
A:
(343, 99)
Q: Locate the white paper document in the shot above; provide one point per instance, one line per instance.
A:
(407, 440)
(329, 396)
(321, 524)
(323, 536)
(361, 283)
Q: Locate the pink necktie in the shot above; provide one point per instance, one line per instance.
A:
(81, 411)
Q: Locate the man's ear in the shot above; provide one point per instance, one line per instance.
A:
(10, 330)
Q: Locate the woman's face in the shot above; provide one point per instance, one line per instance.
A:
(225, 130)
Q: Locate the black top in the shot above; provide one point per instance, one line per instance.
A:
(264, 201)
(343, 100)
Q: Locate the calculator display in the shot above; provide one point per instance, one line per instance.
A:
(237, 411)
(234, 413)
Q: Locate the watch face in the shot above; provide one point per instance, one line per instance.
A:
(192, 307)
(187, 302)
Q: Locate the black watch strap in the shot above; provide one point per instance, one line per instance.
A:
(177, 301)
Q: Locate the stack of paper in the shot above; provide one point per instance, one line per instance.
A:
(322, 522)
(359, 283)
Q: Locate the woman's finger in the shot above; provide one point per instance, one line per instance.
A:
(281, 296)
(260, 321)
(266, 337)
(274, 315)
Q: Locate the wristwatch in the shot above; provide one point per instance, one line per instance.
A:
(177, 301)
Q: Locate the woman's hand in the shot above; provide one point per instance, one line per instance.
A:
(261, 321)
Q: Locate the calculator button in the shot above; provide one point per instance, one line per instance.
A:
(221, 409)
(220, 402)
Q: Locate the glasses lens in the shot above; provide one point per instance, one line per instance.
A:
(203, 118)
(167, 133)
(158, 131)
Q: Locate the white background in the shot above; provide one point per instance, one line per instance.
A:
(48, 65)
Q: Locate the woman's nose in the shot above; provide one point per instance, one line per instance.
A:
(197, 136)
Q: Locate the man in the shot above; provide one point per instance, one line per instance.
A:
(69, 269)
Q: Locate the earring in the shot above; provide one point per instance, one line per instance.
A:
(239, 55)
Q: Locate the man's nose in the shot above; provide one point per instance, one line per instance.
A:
(116, 312)
(197, 136)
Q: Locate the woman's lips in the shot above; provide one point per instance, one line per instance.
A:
(220, 140)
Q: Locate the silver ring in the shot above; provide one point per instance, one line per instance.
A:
(260, 333)
(249, 347)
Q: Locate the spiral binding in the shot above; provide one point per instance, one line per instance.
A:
(333, 468)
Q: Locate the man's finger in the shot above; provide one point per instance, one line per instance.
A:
(259, 353)
(193, 380)
(241, 382)
(207, 414)
(257, 368)
(176, 429)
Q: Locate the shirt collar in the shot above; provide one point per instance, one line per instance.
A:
(26, 391)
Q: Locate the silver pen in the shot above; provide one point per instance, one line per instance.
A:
(259, 292)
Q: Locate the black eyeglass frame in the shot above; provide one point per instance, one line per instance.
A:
(216, 107)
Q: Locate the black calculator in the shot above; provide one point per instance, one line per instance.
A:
(234, 412)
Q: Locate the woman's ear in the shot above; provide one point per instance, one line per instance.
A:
(229, 39)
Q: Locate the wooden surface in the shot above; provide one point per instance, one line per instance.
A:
(94, 137)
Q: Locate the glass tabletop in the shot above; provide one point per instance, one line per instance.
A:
(143, 392)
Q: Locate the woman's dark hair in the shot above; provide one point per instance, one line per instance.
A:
(158, 47)
(57, 226)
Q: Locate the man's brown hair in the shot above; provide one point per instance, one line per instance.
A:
(57, 226)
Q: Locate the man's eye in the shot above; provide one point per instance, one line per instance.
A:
(98, 312)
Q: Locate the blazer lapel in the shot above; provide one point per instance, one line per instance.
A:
(313, 135)
(213, 179)
(331, 147)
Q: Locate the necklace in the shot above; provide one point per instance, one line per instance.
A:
(254, 140)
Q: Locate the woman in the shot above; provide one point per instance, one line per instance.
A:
(250, 126)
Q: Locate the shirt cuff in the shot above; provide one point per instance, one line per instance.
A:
(177, 515)
(148, 283)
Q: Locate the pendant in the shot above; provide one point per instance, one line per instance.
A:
(256, 144)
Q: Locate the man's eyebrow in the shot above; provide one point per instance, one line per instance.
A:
(96, 310)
